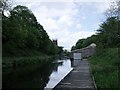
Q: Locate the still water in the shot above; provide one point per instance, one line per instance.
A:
(46, 77)
(61, 71)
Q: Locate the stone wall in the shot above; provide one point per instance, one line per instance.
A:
(85, 52)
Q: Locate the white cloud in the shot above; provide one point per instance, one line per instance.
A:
(72, 38)
(94, 0)
(63, 20)
(102, 7)
(78, 26)
(84, 17)
(65, 0)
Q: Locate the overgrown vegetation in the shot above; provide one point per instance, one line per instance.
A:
(11, 64)
(25, 43)
(104, 66)
(34, 73)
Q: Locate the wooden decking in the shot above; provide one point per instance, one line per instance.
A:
(79, 78)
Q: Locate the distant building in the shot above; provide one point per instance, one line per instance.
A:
(55, 42)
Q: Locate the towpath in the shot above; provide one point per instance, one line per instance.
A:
(80, 78)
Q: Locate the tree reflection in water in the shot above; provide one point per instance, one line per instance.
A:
(38, 78)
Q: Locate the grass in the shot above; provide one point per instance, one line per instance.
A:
(25, 68)
(105, 68)
(10, 64)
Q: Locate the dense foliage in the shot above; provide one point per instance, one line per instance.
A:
(22, 34)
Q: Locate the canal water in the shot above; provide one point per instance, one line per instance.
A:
(43, 78)
(61, 71)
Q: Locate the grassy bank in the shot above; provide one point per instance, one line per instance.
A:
(104, 66)
(22, 71)
(10, 64)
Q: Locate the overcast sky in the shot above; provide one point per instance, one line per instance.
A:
(68, 20)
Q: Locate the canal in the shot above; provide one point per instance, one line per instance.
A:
(43, 78)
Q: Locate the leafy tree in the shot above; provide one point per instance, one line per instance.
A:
(51, 48)
(23, 14)
(73, 48)
(114, 10)
(79, 43)
(5, 5)
(22, 31)
(109, 31)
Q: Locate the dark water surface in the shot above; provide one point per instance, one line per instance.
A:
(42, 77)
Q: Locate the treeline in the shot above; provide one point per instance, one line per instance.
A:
(22, 35)
(108, 34)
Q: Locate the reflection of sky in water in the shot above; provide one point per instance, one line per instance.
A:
(62, 71)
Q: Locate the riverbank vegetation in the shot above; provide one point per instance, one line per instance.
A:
(25, 43)
(12, 64)
(105, 63)
(29, 72)
(22, 35)
(105, 68)
(26, 49)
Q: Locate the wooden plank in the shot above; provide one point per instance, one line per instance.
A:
(80, 77)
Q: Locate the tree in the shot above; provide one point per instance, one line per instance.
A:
(109, 31)
(79, 43)
(73, 48)
(0, 8)
(114, 10)
(22, 31)
(22, 13)
(6, 5)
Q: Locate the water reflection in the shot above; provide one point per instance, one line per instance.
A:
(46, 76)
(61, 72)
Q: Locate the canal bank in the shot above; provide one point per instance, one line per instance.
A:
(79, 78)
(47, 76)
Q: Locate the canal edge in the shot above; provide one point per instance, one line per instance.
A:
(92, 75)
(64, 77)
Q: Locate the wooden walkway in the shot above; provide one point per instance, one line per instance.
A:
(79, 78)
